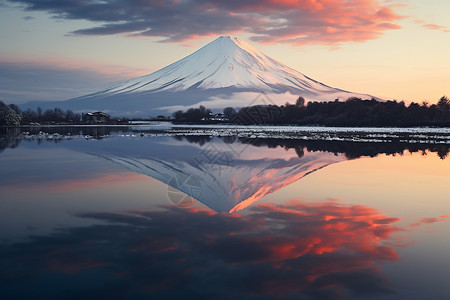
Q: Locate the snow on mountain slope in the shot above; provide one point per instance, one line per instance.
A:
(225, 62)
(225, 72)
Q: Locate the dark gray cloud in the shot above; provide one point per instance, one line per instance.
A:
(297, 22)
(23, 81)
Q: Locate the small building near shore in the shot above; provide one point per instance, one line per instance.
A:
(220, 117)
(97, 117)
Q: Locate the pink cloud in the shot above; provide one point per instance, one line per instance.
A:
(429, 221)
(436, 27)
(298, 22)
(430, 26)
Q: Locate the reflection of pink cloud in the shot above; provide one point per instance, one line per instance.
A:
(335, 226)
(297, 250)
(274, 251)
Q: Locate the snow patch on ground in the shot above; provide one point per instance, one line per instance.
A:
(351, 134)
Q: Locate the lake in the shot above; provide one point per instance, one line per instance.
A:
(157, 211)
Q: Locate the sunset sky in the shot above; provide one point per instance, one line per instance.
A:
(57, 50)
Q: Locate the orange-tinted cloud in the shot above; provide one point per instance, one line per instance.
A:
(429, 221)
(299, 22)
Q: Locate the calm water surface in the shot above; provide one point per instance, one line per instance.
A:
(128, 213)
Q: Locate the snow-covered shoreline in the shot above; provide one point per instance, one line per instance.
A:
(426, 135)
(322, 128)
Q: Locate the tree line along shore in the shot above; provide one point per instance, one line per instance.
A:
(353, 112)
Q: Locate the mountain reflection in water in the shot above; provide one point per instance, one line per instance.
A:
(225, 177)
(229, 174)
(226, 174)
(308, 249)
(324, 250)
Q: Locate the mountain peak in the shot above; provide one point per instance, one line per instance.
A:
(225, 62)
(226, 42)
(228, 37)
(233, 39)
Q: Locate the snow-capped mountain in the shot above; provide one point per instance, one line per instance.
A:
(225, 72)
(223, 63)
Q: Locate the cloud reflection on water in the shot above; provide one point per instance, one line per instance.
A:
(323, 250)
